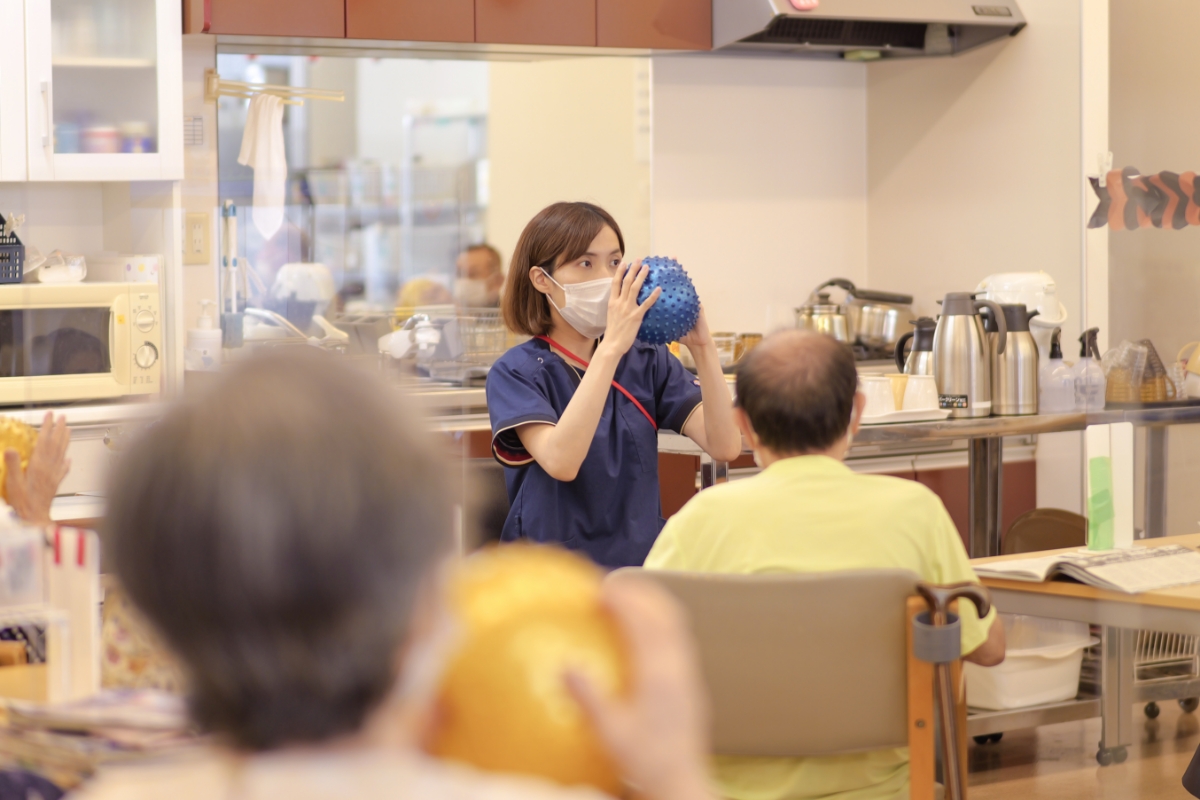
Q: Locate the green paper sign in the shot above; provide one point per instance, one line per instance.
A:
(1100, 504)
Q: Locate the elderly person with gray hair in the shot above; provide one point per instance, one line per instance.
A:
(283, 532)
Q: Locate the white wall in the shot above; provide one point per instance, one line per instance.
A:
(975, 167)
(567, 130)
(760, 180)
(199, 185)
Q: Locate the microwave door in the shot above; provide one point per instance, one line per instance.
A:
(41, 342)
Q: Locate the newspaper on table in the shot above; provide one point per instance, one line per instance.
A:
(1136, 570)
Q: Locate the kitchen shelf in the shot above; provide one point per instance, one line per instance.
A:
(983, 723)
(103, 62)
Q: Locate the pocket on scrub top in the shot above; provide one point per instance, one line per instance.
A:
(638, 428)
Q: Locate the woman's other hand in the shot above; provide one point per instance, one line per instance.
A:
(624, 314)
(31, 490)
(699, 335)
(658, 735)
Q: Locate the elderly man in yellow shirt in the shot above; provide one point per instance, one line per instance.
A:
(799, 407)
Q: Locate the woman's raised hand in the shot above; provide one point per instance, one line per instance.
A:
(624, 314)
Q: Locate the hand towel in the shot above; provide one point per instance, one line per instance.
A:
(262, 151)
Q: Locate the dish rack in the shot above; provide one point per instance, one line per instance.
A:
(459, 345)
(1166, 667)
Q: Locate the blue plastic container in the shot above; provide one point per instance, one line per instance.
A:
(677, 308)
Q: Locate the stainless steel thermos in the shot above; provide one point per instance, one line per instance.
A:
(962, 356)
(1014, 365)
(920, 358)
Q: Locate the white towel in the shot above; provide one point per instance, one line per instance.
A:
(262, 151)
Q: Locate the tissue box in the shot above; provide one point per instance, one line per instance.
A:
(128, 268)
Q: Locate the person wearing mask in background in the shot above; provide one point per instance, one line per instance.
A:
(799, 407)
(480, 277)
(576, 410)
(284, 532)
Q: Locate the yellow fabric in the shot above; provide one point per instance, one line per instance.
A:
(814, 514)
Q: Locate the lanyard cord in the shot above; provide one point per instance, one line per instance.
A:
(616, 385)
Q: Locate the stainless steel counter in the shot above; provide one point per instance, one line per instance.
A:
(993, 427)
(985, 437)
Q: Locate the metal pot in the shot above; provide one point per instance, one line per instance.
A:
(875, 319)
(822, 316)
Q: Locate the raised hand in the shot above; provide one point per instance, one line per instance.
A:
(624, 314)
(31, 490)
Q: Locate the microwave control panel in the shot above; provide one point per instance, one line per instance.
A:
(145, 341)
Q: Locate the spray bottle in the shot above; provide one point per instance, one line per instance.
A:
(1089, 374)
(1056, 381)
(203, 342)
(231, 308)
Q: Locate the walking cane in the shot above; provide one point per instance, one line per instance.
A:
(937, 639)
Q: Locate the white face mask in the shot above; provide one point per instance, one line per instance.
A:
(471, 292)
(585, 307)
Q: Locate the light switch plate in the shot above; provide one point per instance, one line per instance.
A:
(197, 238)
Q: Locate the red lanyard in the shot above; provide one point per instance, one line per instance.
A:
(616, 385)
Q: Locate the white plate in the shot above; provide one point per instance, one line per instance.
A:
(916, 415)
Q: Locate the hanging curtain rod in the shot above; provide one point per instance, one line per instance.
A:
(215, 87)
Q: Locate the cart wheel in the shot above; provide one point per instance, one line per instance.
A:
(1104, 757)
(988, 738)
(1189, 704)
(1120, 754)
(1152, 710)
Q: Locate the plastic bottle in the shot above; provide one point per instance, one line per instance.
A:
(1089, 375)
(1056, 381)
(203, 342)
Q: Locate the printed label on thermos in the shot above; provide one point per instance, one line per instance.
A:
(952, 401)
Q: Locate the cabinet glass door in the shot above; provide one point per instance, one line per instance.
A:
(104, 63)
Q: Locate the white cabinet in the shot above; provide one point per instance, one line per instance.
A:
(103, 90)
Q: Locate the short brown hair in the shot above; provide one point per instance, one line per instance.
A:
(276, 529)
(497, 259)
(797, 388)
(558, 234)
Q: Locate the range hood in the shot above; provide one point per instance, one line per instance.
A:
(863, 30)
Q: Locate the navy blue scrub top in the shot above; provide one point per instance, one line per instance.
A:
(612, 511)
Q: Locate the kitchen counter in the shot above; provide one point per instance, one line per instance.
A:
(985, 436)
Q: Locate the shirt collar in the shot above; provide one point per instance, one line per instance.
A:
(807, 465)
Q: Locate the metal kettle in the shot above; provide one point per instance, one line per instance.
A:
(822, 316)
(1015, 364)
(962, 357)
(920, 358)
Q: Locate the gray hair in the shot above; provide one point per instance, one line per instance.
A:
(277, 530)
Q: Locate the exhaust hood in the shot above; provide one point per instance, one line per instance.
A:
(863, 30)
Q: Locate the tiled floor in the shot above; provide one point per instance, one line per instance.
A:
(1057, 762)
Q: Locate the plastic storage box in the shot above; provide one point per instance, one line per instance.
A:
(1042, 665)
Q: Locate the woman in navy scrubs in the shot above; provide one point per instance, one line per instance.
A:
(576, 410)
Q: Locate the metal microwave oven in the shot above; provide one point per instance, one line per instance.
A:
(79, 341)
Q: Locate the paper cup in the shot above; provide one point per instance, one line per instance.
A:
(899, 384)
(921, 393)
(880, 399)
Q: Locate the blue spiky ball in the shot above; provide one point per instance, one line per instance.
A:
(678, 306)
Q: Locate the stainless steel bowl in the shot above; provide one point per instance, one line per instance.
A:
(875, 319)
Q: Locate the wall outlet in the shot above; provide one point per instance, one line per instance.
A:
(197, 238)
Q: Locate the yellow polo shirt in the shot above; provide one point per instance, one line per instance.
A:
(814, 514)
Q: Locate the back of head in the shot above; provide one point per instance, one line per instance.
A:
(797, 388)
(277, 530)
